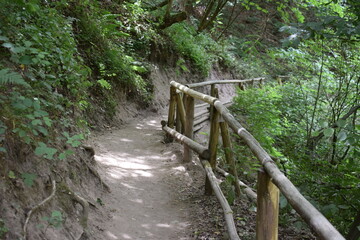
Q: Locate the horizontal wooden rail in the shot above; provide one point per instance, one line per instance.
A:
(307, 211)
(193, 93)
(198, 148)
(228, 213)
(201, 84)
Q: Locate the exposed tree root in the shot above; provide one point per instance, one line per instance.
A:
(85, 214)
(37, 207)
(96, 174)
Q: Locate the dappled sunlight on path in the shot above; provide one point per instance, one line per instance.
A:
(142, 173)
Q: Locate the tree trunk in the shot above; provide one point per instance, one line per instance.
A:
(210, 15)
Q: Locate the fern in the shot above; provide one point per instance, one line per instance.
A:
(7, 76)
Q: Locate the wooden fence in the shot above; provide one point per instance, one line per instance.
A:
(271, 180)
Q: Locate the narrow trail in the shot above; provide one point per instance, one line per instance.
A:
(146, 180)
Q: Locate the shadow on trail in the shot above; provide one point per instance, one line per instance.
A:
(143, 174)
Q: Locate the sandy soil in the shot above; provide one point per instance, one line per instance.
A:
(146, 178)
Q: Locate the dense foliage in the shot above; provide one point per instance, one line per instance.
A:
(308, 118)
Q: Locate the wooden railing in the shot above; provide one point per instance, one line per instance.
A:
(270, 179)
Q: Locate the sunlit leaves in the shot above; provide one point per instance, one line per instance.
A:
(328, 132)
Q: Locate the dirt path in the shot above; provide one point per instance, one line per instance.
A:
(146, 179)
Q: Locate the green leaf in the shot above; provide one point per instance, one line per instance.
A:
(45, 151)
(40, 113)
(2, 149)
(43, 130)
(62, 156)
(7, 76)
(28, 102)
(47, 121)
(283, 202)
(11, 175)
(204, 133)
(8, 45)
(342, 136)
(26, 60)
(75, 143)
(104, 84)
(55, 219)
(99, 201)
(32, 7)
(324, 124)
(315, 133)
(28, 179)
(139, 69)
(22, 133)
(36, 105)
(230, 179)
(56, 214)
(36, 122)
(28, 43)
(316, 26)
(230, 196)
(351, 140)
(328, 132)
(341, 123)
(3, 38)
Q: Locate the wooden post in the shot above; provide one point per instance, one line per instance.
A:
(267, 208)
(172, 109)
(189, 125)
(178, 121)
(184, 104)
(261, 83)
(181, 109)
(213, 94)
(229, 156)
(242, 86)
(213, 142)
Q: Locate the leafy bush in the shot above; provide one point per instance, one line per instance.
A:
(199, 48)
(263, 117)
